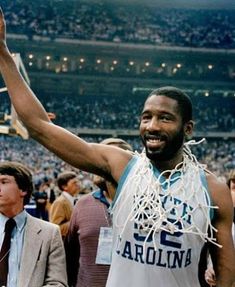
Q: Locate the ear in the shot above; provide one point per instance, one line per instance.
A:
(188, 129)
(23, 193)
(64, 187)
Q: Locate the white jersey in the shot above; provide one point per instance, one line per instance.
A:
(168, 259)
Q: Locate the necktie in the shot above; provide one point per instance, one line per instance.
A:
(75, 201)
(5, 250)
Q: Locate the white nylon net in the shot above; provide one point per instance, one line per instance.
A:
(148, 211)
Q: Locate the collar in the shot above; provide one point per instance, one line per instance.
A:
(69, 197)
(99, 194)
(20, 220)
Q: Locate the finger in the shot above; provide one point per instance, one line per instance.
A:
(2, 24)
(1, 13)
(211, 282)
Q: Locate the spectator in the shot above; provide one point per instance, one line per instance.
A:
(129, 23)
(61, 209)
(41, 198)
(36, 256)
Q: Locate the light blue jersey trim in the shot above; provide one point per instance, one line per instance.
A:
(208, 195)
(123, 177)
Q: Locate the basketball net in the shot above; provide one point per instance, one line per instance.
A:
(148, 211)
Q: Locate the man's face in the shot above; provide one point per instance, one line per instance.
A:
(11, 197)
(161, 128)
(72, 186)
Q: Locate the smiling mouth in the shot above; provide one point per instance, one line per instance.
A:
(154, 142)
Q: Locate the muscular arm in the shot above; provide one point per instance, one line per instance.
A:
(103, 160)
(223, 258)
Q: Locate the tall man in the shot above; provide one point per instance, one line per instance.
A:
(36, 253)
(161, 211)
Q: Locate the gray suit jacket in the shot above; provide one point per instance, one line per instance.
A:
(43, 255)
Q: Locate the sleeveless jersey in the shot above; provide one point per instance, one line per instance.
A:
(168, 259)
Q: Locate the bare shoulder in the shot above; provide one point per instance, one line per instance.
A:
(219, 191)
(223, 258)
(116, 159)
(221, 197)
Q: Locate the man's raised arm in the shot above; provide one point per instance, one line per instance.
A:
(104, 160)
(22, 96)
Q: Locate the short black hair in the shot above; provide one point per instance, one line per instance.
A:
(183, 100)
(22, 175)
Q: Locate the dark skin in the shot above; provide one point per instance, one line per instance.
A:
(109, 161)
(163, 132)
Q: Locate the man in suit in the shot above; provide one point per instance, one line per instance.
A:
(61, 209)
(36, 253)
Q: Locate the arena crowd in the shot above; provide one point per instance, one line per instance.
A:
(121, 23)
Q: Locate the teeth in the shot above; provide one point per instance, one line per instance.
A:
(154, 140)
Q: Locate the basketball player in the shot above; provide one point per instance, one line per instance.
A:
(166, 205)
